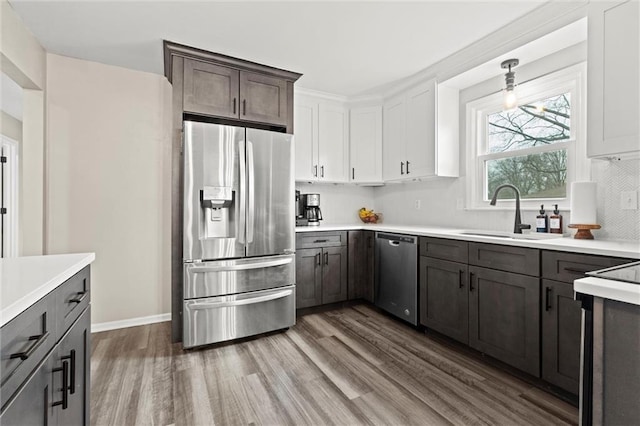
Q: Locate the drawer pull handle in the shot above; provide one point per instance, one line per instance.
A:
(39, 340)
(65, 385)
(576, 270)
(82, 294)
(72, 358)
(320, 241)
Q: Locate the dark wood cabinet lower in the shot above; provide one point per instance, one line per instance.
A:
(361, 265)
(444, 297)
(504, 317)
(321, 276)
(308, 277)
(561, 319)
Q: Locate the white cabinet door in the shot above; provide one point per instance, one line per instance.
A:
(393, 152)
(420, 151)
(366, 144)
(306, 139)
(333, 153)
(613, 83)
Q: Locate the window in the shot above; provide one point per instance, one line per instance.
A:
(538, 146)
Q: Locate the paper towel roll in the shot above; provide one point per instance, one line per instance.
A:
(583, 203)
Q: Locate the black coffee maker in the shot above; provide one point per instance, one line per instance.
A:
(301, 218)
(312, 209)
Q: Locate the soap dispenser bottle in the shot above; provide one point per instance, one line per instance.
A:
(555, 221)
(542, 221)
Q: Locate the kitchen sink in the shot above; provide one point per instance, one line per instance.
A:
(512, 236)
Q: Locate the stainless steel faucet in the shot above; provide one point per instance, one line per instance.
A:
(518, 226)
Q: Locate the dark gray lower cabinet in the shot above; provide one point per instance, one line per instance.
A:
(504, 317)
(74, 348)
(55, 389)
(321, 276)
(361, 267)
(444, 297)
(308, 277)
(561, 319)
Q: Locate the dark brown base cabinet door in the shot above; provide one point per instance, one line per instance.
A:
(75, 349)
(308, 277)
(334, 274)
(33, 404)
(561, 328)
(444, 298)
(504, 317)
(361, 257)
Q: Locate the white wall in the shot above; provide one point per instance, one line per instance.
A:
(23, 60)
(340, 203)
(10, 126)
(108, 182)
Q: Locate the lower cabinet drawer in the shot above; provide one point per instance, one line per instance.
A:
(567, 267)
(216, 319)
(25, 341)
(72, 298)
(519, 260)
(321, 239)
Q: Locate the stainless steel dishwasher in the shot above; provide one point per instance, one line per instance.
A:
(396, 285)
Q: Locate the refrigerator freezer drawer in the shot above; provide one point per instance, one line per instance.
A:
(223, 277)
(217, 319)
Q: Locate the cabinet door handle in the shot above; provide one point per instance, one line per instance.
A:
(72, 375)
(326, 258)
(82, 294)
(461, 282)
(317, 256)
(353, 173)
(39, 340)
(234, 105)
(65, 385)
(321, 171)
(244, 107)
(407, 167)
(402, 167)
(471, 287)
(315, 171)
(547, 298)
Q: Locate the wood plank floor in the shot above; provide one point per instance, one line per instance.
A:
(348, 366)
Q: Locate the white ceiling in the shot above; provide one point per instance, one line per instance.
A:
(344, 48)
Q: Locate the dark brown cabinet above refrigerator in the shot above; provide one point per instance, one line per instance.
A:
(219, 86)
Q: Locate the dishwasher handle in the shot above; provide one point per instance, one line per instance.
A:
(394, 243)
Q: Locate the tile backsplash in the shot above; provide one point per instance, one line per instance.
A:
(614, 177)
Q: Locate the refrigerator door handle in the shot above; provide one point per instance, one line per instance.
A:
(243, 188)
(251, 193)
(247, 301)
(240, 267)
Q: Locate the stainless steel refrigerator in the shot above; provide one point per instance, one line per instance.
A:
(239, 237)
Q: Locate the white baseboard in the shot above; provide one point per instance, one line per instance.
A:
(132, 322)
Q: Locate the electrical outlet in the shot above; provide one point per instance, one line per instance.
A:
(629, 200)
(416, 204)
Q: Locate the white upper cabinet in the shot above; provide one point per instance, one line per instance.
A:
(306, 138)
(421, 133)
(321, 140)
(613, 83)
(365, 141)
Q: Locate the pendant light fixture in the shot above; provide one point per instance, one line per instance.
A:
(510, 98)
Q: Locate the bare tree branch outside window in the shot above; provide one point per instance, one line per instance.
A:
(542, 123)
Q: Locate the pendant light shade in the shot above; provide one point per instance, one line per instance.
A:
(510, 97)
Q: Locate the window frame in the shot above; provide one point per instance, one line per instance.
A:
(568, 80)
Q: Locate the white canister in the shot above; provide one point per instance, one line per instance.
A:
(583, 203)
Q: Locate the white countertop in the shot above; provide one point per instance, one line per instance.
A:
(25, 280)
(613, 248)
(608, 289)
